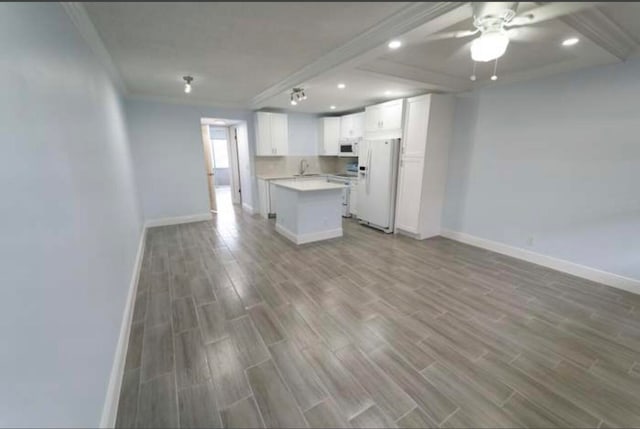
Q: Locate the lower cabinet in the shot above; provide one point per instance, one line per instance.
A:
(409, 194)
(353, 199)
(263, 197)
(272, 199)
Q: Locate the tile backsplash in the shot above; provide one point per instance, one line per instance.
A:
(266, 165)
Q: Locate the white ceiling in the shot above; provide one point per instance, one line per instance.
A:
(239, 51)
(362, 88)
(233, 50)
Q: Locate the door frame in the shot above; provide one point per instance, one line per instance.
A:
(234, 164)
(208, 165)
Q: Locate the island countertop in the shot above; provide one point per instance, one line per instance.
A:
(308, 185)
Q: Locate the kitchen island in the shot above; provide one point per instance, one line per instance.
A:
(308, 210)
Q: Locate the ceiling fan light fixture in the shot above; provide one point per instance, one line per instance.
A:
(492, 44)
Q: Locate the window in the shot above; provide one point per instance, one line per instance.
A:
(220, 153)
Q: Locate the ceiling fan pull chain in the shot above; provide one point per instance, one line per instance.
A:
(473, 74)
(495, 69)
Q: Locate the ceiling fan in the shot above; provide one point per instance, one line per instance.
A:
(493, 19)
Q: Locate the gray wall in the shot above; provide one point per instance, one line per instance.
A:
(70, 221)
(169, 159)
(556, 159)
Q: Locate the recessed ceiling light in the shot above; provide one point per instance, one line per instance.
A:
(571, 41)
(341, 86)
(332, 107)
(387, 93)
(394, 44)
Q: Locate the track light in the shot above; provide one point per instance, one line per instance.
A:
(187, 83)
(297, 95)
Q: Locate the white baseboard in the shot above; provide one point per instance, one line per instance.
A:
(593, 274)
(199, 217)
(311, 237)
(110, 410)
(249, 209)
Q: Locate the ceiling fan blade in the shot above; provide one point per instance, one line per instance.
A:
(549, 11)
(526, 34)
(462, 51)
(450, 35)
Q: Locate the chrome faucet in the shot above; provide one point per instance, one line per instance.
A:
(303, 166)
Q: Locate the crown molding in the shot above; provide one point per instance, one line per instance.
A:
(403, 21)
(603, 31)
(80, 18)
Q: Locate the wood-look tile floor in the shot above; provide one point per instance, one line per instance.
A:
(235, 326)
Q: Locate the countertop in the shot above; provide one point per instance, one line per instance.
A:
(308, 185)
(306, 176)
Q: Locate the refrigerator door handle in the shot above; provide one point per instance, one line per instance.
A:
(369, 169)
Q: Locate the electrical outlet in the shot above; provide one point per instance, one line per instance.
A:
(530, 241)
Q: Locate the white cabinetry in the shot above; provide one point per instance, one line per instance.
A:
(352, 126)
(330, 136)
(423, 164)
(272, 134)
(263, 197)
(384, 120)
(353, 198)
(272, 198)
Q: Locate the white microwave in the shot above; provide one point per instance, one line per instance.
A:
(348, 148)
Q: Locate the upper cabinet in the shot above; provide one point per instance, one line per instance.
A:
(272, 134)
(352, 126)
(384, 120)
(330, 136)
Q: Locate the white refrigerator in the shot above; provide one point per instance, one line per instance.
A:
(377, 174)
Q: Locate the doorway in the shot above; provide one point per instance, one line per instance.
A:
(220, 141)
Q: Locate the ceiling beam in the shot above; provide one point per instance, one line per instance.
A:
(603, 31)
(406, 19)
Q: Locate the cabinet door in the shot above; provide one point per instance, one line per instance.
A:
(409, 195)
(345, 126)
(263, 134)
(331, 136)
(263, 197)
(357, 125)
(272, 198)
(414, 140)
(391, 115)
(279, 134)
(372, 118)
